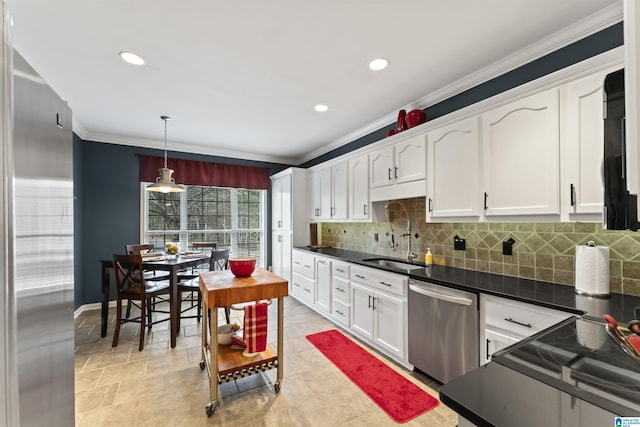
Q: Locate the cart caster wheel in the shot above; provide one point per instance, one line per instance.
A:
(202, 365)
(209, 409)
(276, 387)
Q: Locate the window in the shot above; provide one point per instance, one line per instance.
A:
(232, 217)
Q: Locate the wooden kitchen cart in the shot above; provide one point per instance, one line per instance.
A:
(220, 289)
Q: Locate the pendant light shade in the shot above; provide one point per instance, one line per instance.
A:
(164, 182)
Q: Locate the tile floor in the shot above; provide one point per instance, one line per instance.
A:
(160, 386)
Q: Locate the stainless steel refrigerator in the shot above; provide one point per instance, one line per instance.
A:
(36, 254)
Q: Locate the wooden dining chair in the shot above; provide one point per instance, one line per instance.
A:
(142, 249)
(219, 260)
(196, 269)
(135, 289)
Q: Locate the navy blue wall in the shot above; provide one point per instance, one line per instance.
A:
(77, 221)
(106, 176)
(110, 201)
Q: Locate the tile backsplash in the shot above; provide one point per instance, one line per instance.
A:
(543, 251)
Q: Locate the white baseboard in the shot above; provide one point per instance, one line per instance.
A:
(89, 307)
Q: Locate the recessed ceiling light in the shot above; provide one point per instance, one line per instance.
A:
(131, 58)
(378, 64)
(321, 108)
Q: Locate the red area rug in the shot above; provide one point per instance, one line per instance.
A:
(401, 399)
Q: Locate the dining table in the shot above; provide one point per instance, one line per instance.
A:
(170, 264)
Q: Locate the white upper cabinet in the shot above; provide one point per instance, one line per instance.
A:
(382, 167)
(359, 188)
(582, 190)
(521, 156)
(281, 203)
(410, 160)
(327, 190)
(339, 192)
(400, 170)
(454, 159)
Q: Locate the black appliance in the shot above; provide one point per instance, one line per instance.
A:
(578, 357)
(620, 212)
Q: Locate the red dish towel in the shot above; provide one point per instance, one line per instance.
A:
(255, 327)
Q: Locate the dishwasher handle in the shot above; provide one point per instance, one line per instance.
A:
(440, 296)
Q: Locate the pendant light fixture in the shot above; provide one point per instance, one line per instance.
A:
(165, 183)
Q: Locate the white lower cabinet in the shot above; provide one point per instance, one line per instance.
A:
(323, 284)
(380, 316)
(303, 279)
(370, 303)
(341, 293)
(505, 322)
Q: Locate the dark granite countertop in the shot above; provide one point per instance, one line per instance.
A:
(494, 395)
(559, 297)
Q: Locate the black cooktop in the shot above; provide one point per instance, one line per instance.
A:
(578, 357)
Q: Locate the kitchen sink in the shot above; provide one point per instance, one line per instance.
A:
(400, 265)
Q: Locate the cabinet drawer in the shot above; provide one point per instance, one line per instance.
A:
(302, 287)
(304, 264)
(388, 282)
(341, 288)
(341, 312)
(340, 269)
(520, 318)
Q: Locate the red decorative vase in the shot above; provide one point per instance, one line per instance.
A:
(402, 122)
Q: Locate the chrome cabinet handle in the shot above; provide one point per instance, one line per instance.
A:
(364, 209)
(384, 283)
(340, 289)
(389, 174)
(339, 312)
(360, 277)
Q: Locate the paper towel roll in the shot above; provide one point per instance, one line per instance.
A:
(592, 270)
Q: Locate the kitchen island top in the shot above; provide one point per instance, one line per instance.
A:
(556, 296)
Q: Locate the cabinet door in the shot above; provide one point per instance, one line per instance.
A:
(495, 341)
(583, 145)
(281, 255)
(323, 284)
(281, 203)
(381, 167)
(521, 156)
(313, 198)
(359, 187)
(389, 313)
(276, 204)
(410, 159)
(339, 191)
(361, 313)
(324, 192)
(454, 170)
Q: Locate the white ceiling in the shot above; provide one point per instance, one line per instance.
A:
(241, 78)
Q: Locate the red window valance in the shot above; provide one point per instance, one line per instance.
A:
(193, 172)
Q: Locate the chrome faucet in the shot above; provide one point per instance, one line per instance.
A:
(410, 255)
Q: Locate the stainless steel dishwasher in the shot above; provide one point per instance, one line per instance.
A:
(443, 330)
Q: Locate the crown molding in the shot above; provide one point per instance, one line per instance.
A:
(182, 147)
(577, 31)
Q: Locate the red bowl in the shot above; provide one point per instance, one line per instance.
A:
(415, 118)
(242, 267)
